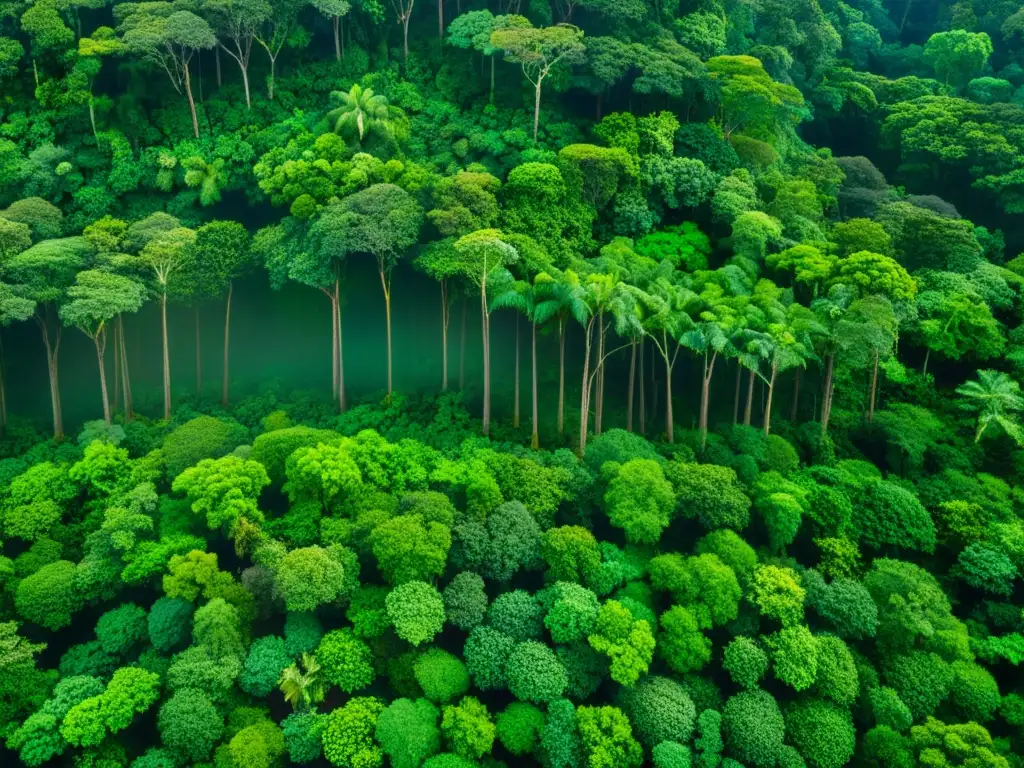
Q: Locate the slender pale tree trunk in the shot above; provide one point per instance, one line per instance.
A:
(491, 98)
(561, 377)
(629, 390)
(440, 19)
(736, 395)
(669, 416)
(334, 346)
(585, 394)
(100, 340)
(536, 111)
(3, 394)
(535, 431)
(385, 282)
(191, 101)
(826, 401)
(796, 395)
(462, 348)
(705, 398)
(227, 345)
(341, 348)
(485, 331)
(199, 357)
(52, 355)
(749, 407)
(445, 316)
(116, 402)
(599, 410)
(768, 402)
(643, 413)
(927, 355)
(126, 383)
(515, 407)
(405, 36)
(874, 391)
(167, 357)
(336, 23)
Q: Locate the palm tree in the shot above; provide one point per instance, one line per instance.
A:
(568, 303)
(360, 112)
(302, 689)
(529, 300)
(994, 397)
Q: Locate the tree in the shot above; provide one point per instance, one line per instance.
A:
(48, 596)
(957, 55)
(309, 577)
(750, 100)
(348, 735)
(822, 732)
(480, 256)
(302, 686)
(534, 673)
(43, 274)
(382, 220)
(745, 662)
(537, 51)
(465, 601)
(408, 732)
(994, 397)
(360, 112)
(660, 710)
(416, 611)
(753, 728)
(628, 642)
(167, 38)
(409, 549)
(640, 500)
(607, 739)
(442, 676)
(222, 255)
(279, 30)
(468, 728)
(519, 728)
(473, 29)
(334, 10)
(13, 309)
(345, 660)
(237, 21)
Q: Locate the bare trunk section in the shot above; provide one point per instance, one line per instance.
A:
(385, 282)
(705, 398)
(561, 377)
(536, 113)
(445, 317)
(599, 410)
(643, 413)
(100, 340)
(191, 101)
(216, 54)
(126, 383)
(485, 330)
(748, 409)
(629, 389)
(534, 433)
(227, 345)
(796, 395)
(167, 357)
(768, 403)
(826, 402)
(585, 394)
(336, 23)
(341, 349)
(52, 354)
(116, 402)
(462, 349)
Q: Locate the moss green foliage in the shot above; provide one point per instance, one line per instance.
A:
(348, 735)
(441, 675)
(416, 611)
(408, 732)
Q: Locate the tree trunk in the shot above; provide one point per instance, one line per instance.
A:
(385, 283)
(216, 55)
(629, 389)
(536, 112)
(116, 401)
(515, 407)
(796, 395)
(270, 82)
(874, 391)
(561, 377)
(485, 331)
(100, 348)
(126, 382)
(52, 353)
(3, 395)
(750, 399)
(535, 431)
(705, 398)
(462, 349)
(440, 19)
(736, 395)
(199, 357)
(826, 401)
(643, 413)
(491, 100)
(927, 355)
(227, 344)
(445, 316)
(585, 394)
(191, 101)
(599, 373)
(336, 23)
(669, 418)
(334, 344)
(405, 37)
(167, 358)
(768, 403)
(245, 84)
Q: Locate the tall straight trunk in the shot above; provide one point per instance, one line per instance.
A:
(736, 395)
(462, 348)
(796, 395)
(167, 357)
(927, 355)
(599, 410)
(191, 101)
(270, 81)
(629, 389)
(100, 340)
(643, 413)
(199, 357)
(52, 368)
(515, 408)
(216, 55)
(440, 19)
(126, 382)
(116, 401)
(585, 394)
(826, 401)
(768, 402)
(405, 37)
(334, 346)
(336, 23)
(874, 391)
(748, 409)
(561, 377)
(485, 332)
(669, 418)
(385, 283)
(705, 398)
(491, 98)
(227, 345)
(245, 84)
(341, 348)
(445, 316)
(534, 432)
(536, 112)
